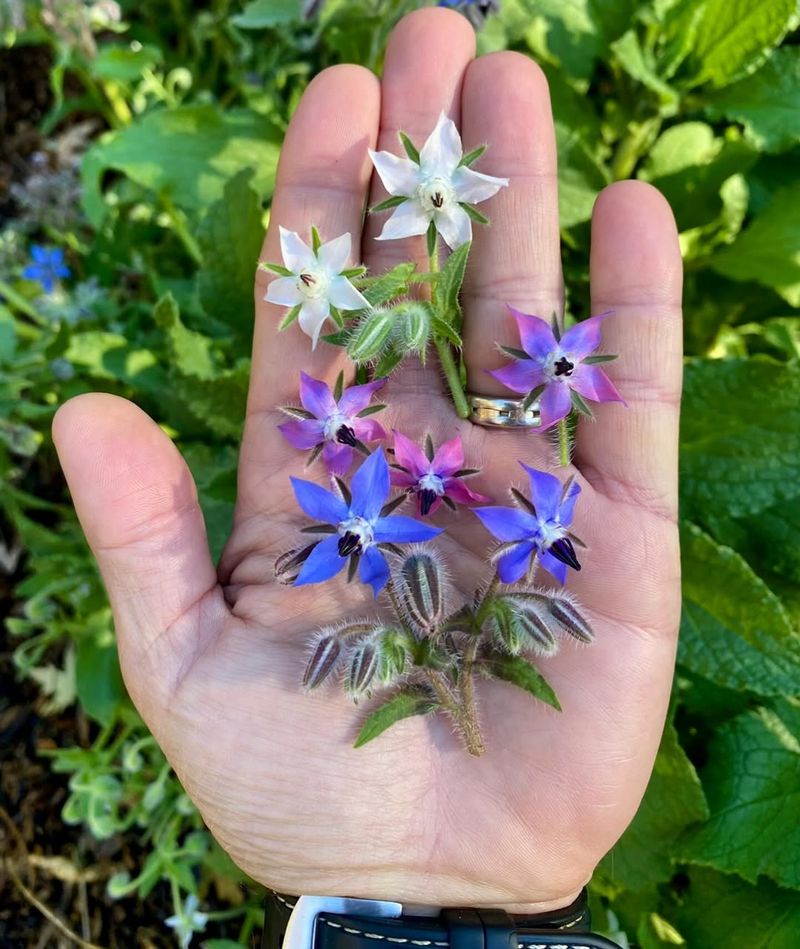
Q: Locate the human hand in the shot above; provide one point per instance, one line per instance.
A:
(212, 658)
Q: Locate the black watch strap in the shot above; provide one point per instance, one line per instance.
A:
(355, 926)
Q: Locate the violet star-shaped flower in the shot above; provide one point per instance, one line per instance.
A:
(360, 526)
(316, 281)
(47, 266)
(435, 188)
(335, 425)
(538, 527)
(558, 367)
(435, 479)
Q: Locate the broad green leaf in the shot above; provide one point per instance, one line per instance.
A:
(219, 402)
(766, 103)
(740, 448)
(189, 153)
(98, 677)
(213, 469)
(230, 238)
(640, 64)
(122, 63)
(752, 781)
(103, 355)
(402, 705)
(190, 351)
(734, 630)
(734, 37)
(719, 910)
(261, 14)
(673, 801)
(580, 177)
(448, 286)
(521, 673)
(769, 538)
(8, 335)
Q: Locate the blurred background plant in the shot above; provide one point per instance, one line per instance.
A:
(137, 155)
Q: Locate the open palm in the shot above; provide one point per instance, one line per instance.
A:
(212, 656)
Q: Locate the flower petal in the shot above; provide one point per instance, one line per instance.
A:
(373, 569)
(407, 220)
(337, 458)
(357, 398)
(449, 457)
(592, 383)
(319, 503)
(284, 292)
(554, 567)
(316, 396)
(303, 433)
(454, 225)
(343, 294)
(507, 523)
(323, 562)
(297, 255)
(370, 486)
(460, 492)
(535, 335)
(583, 338)
(441, 153)
(313, 314)
(474, 187)
(368, 430)
(521, 376)
(400, 176)
(554, 404)
(400, 529)
(513, 565)
(408, 454)
(333, 255)
(567, 509)
(545, 493)
(401, 479)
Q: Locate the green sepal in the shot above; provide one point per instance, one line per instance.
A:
(466, 472)
(579, 404)
(352, 272)
(338, 339)
(387, 286)
(290, 317)
(316, 240)
(370, 410)
(316, 451)
(471, 157)
(344, 490)
(555, 327)
(521, 673)
(338, 387)
(389, 203)
(514, 353)
(389, 361)
(403, 704)
(336, 316)
(440, 328)
(593, 360)
(275, 268)
(431, 238)
(474, 213)
(430, 451)
(532, 396)
(294, 411)
(410, 148)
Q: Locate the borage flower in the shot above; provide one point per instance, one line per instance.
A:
(361, 524)
(433, 186)
(333, 426)
(47, 266)
(557, 370)
(314, 282)
(433, 477)
(537, 527)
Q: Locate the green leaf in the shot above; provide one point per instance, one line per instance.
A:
(769, 249)
(734, 629)
(444, 330)
(388, 203)
(263, 14)
(410, 148)
(98, 677)
(189, 153)
(521, 673)
(230, 240)
(386, 287)
(640, 64)
(766, 102)
(473, 213)
(471, 157)
(402, 705)
(218, 403)
(123, 64)
(723, 910)
(190, 351)
(448, 285)
(290, 317)
(581, 177)
(674, 799)
(752, 781)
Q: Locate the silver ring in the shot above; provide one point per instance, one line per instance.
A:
(502, 413)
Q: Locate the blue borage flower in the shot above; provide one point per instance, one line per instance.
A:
(47, 266)
(537, 527)
(361, 525)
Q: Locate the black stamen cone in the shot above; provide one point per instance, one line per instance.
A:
(349, 543)
(564, 551)
(346, 436)
(564, 367)
(426, 498)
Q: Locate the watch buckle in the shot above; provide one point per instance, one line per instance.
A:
(301, 926)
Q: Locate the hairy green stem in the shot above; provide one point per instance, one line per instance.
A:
(563, 443)
(446, 358)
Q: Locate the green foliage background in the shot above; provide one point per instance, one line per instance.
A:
(699, 97)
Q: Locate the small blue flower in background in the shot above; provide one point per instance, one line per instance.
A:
(187, 921)
(47, 266)
(359, 526)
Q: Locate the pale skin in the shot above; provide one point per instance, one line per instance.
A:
(212, 655)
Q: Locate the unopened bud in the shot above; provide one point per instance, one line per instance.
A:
(289, 565)
(506, 631)
(392, 654)
(371, 336)
(363, 666)
(567, 616)
(322, 661)
(532, 619)
(415, 326)
(420, 586)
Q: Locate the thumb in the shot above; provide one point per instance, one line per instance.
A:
(138, 507)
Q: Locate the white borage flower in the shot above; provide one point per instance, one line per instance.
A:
(434, 186)
(314, 282)
(187, 921)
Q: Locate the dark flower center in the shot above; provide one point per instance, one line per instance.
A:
(563, 550)
(308, 279)
(349, 543)
(563, 367)
(426, 498)
(437, 199)
(345, 435)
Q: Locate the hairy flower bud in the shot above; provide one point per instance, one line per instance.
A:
(393, 654)
(567, 616)
(363, 666)
(420, 586)
(534, 623)
(323, 660)
(414, 326)
(371, 336)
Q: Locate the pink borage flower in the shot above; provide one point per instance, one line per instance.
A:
(330, 425)
(433, 476)
(559, 371)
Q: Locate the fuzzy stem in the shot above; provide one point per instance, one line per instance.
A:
(446, 358)
(563, 443)
(467, 722)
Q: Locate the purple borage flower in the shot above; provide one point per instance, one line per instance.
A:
(47, 266)
(537, 527)
(433, 477)
(361, 524)
(560, 372)
(336, 425)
